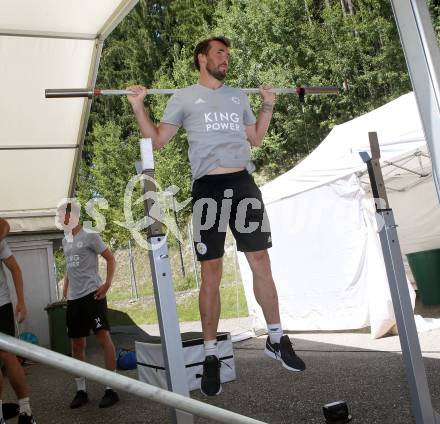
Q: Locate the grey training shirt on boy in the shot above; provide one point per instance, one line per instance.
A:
(215, 122)
(5, 253)
(82, 263)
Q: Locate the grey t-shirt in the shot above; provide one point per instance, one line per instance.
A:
(81, 255)
(5, 253)
(215, 122)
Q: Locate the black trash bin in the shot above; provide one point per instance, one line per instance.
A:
(59, 341)
(425, 267)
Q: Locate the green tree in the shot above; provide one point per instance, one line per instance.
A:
(305, 42)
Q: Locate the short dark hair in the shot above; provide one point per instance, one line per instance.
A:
(204, 46)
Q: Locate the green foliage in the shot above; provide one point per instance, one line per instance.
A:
(434, 8)
(113, 159)
(277, 42)
(185, 283)
(60, 264)
(232, 298)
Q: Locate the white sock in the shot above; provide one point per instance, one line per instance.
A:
(1, 410)
(24, 406)
(80, 383)
(275, 332)
(211, 347)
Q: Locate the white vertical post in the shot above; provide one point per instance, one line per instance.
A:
(423, 60)
(171, 340)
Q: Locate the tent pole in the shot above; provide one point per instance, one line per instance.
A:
(423, 60)
(409, 340)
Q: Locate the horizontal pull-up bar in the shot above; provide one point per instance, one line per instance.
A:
(121, 382)
(52, 93)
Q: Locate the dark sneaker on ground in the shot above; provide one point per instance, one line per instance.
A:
(283, 351)
(24, 418)
(80, 399)
(210, 385)
(9, 410)
(109, 399)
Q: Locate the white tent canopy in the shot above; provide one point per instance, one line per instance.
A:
(327, 260)
(46, 44)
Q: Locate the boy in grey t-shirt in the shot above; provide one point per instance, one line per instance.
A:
(86, 301)
(7, 326)
(221, 129)
(82, 263)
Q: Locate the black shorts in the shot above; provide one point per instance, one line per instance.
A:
(234, 199)
(85, 314)
(7, 320)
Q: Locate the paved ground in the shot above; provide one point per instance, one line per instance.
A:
(368, 374)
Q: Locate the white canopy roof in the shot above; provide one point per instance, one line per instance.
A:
(46, 44)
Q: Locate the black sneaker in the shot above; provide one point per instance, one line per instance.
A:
(283, 351)
(24, 418)
(109, 399)
(9, 410)
(210, 385)
(80, 399)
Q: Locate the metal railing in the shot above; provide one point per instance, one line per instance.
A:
(120, 382)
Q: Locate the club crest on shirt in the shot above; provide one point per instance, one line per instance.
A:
(236, 100)
(201, 248)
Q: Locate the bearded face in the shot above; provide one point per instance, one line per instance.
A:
(217, 71)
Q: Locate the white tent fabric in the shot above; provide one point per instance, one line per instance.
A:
(327, 260)
(46, 44)
(81, 17)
